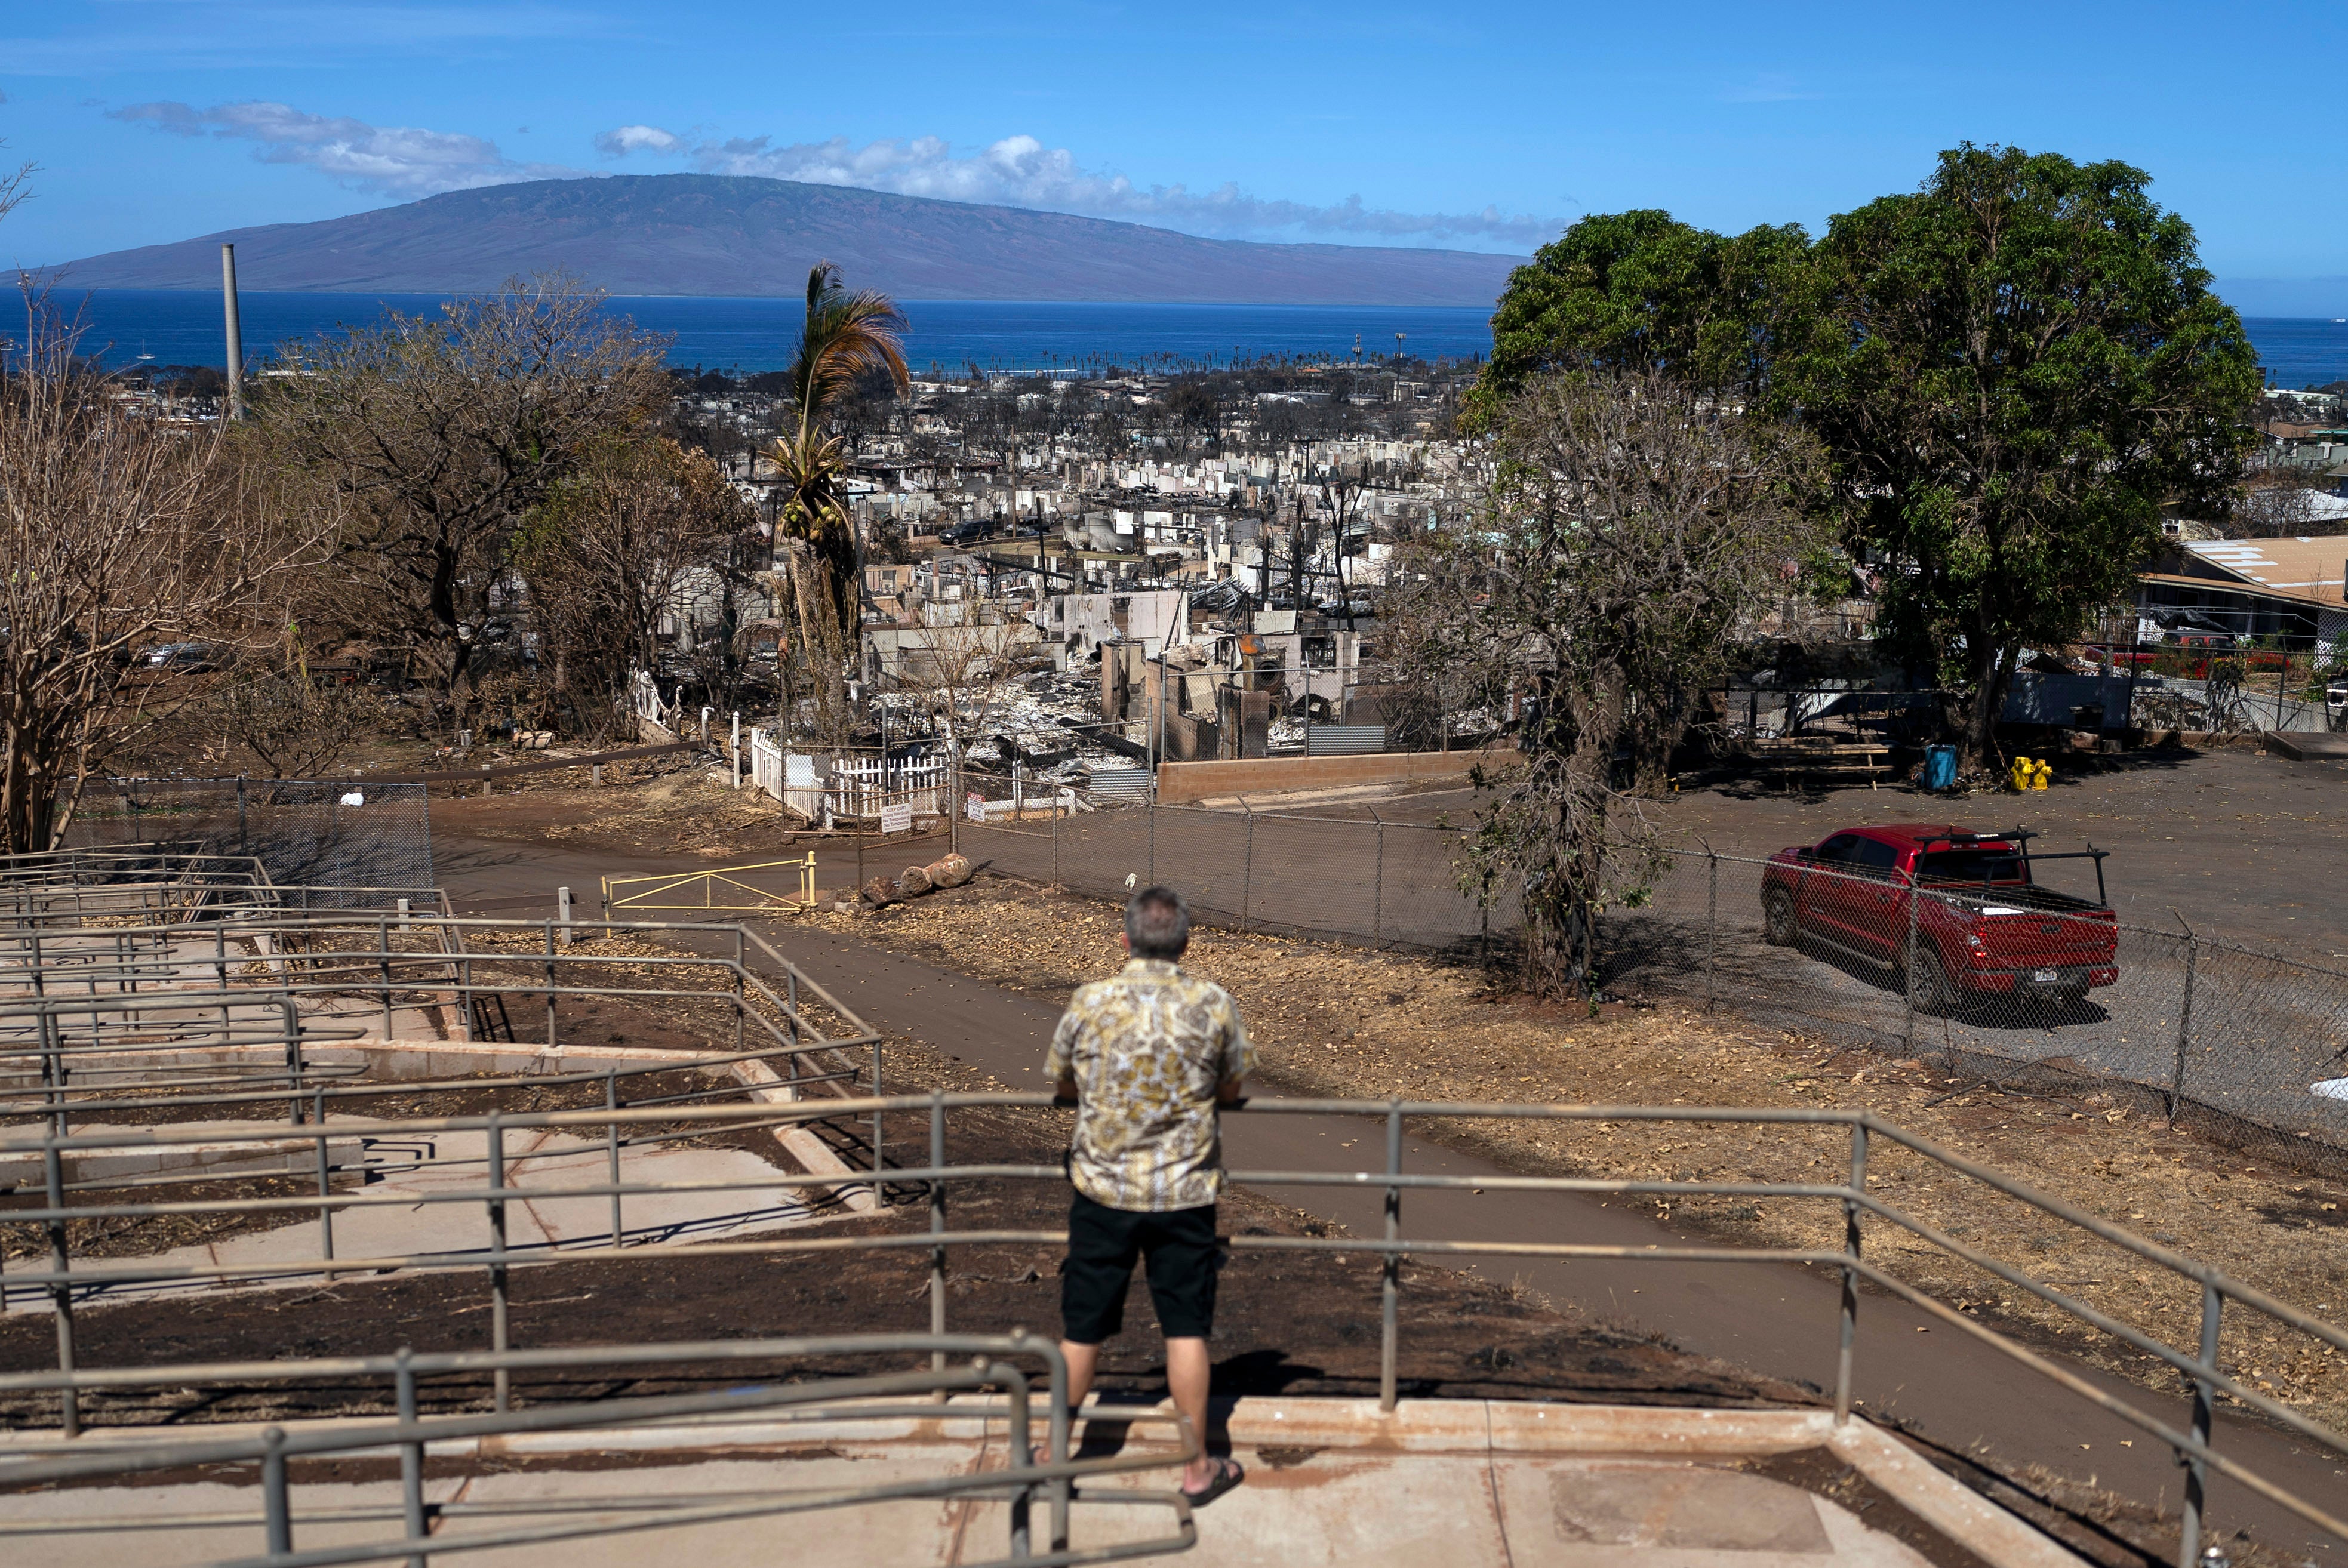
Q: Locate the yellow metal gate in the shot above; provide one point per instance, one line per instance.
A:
(714, 888)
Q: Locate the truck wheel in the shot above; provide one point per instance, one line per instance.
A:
(1778, 921)
(1928, 984)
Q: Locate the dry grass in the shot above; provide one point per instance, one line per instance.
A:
(657, 804)
(1341, 1020)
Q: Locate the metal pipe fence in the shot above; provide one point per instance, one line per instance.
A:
(1861, 1205)
(230, 1013)
(2183, 1024)
(686, 1418)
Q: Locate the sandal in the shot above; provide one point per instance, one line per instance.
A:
(1228, 1474)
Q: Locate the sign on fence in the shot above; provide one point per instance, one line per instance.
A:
(975, 806)
(897, 817)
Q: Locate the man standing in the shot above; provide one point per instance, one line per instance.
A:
(1148, 1057)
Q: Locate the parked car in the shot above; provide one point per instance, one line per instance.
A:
(193, 658)
(1966, 906)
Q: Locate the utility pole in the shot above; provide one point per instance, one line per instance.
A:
(235, 333)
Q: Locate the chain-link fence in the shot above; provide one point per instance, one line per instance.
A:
(1384, 882)
(320, 834)
(2023, 983)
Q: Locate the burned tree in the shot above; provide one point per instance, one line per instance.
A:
(436, 438)
(122, 539)
(642, 528)
(1633, 526)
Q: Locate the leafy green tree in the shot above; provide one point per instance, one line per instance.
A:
(1640, 291)
(2009, 371)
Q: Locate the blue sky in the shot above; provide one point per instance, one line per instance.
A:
(1483, 127)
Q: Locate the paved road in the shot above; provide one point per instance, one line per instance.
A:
(1777, 1320)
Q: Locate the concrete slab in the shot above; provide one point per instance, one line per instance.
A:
(393, 1216)
(1328, 1510)
(25, 1170)
(2307, 746)
(167, 1527)
(1429, 1483)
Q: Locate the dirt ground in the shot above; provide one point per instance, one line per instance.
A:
(1338, 1020)
(669, 804)
(1288, 1323)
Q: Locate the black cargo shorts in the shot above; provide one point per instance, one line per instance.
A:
(1103, 1244)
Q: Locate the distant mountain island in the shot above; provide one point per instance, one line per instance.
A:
(731, 236)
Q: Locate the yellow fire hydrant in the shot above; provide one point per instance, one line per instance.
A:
(2029, 776)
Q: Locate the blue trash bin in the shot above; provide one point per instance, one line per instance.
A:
(1940, 767)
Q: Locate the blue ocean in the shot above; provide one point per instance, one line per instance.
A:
(172, 326)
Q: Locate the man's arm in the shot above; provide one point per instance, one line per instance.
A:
(1060, 1061)
(1239, 1060)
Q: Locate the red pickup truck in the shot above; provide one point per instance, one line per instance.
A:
(1965, 903)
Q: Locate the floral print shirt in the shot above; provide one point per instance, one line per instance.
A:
(1147, 1049)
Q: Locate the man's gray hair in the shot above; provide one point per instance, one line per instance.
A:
(1157, 924)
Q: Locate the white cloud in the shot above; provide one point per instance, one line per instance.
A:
(391, 160)
(1021, 171)
(628, 138)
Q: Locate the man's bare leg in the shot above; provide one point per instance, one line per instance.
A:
(1188, 1370)
(1082, 1360)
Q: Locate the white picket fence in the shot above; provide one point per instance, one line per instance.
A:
(767, 766)
(860, 787)
(822, 789)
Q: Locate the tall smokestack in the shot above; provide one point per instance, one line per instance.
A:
(235, 333)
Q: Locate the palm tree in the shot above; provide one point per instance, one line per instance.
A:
(846, 335)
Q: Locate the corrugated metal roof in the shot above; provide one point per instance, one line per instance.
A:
(2309, 568)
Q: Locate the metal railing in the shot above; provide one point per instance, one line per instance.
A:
(992, 1365)
(1853, 1200)
(77, 886)
(155, 1009)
